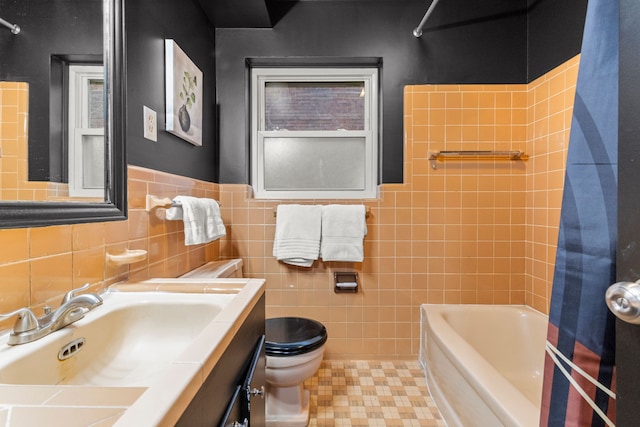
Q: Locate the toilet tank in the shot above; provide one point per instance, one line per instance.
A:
(217, 269)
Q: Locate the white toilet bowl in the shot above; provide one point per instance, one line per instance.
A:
(294, 348)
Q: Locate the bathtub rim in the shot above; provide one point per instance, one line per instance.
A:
(494, 390)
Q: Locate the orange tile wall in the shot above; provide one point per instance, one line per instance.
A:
(549, 108)
(38, 265)
(464, 232)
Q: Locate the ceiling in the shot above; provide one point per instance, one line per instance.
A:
(254, 13)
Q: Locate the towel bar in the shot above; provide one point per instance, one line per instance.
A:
(153, 202)
(508, 155)
(367, 212)
(476, 155)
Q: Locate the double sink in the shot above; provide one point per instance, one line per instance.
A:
(137, 359)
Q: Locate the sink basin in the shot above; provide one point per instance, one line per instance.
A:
(127, 341)
(137, 360)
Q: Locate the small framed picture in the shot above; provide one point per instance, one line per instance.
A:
(183, 94)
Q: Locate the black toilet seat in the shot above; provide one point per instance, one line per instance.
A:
(291, 336)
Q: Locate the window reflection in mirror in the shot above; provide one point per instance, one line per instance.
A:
(86, 131)
(76, 128)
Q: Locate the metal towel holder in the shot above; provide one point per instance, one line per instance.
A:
(475, 155)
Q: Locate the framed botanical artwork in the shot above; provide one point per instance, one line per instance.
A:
(183, 81)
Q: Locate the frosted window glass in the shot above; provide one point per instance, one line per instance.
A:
(314, 105)
(92, 161)
(96, 104)
(301, 163)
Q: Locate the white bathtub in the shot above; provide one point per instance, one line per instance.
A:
(484, 363)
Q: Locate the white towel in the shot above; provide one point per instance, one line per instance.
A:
(297, 238)
(201, 217)
(343, 231)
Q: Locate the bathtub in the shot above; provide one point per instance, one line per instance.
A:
(484, 363)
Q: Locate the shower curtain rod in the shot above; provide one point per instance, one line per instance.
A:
(417, 32)
(13, 27)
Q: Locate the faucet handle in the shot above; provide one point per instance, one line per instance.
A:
(72, 293)
(25, 322)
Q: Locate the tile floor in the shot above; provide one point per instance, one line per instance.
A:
(371, 394)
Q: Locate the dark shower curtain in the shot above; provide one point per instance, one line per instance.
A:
(579, 365)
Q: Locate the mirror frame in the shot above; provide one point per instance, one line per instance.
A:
(38, 214)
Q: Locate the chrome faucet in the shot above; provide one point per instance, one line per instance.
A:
(73, 307)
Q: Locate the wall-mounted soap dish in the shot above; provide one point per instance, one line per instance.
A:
(345, 281)
(129, 256)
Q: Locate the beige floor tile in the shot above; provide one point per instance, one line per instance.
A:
(371, 394)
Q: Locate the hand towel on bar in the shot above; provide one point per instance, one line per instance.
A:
(343, 231)
(201, 217)
(297, 239)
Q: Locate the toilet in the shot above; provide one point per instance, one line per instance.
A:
(294, 347)
(228, 268)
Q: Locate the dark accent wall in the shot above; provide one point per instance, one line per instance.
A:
(463, 42)
(148, 23)
(554, 33)
(70, 28)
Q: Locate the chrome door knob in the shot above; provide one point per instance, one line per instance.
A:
(623, 299)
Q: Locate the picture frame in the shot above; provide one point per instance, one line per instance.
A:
(183, 92)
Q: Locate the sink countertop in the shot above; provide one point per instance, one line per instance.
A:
(164, 401)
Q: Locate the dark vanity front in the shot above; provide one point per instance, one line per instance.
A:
(234, 391)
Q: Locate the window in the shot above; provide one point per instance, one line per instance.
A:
(314, 132)
(86, 131)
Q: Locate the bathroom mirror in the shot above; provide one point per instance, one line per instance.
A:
(54, 209)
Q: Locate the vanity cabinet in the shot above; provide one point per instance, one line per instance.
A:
(234, 390)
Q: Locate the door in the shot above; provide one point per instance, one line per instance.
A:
(254, 386)
(628, 256)
(234, 414)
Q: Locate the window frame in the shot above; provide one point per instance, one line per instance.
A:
(260, 76)
(80, 77)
